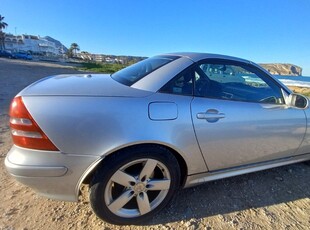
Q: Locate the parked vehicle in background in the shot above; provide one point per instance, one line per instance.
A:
(136, 136)
(23, 55)
(7, 54)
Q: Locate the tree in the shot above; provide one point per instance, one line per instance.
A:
(70, 53)
(75, 47)
(3, 25)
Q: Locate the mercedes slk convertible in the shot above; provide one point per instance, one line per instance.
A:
(136, 136)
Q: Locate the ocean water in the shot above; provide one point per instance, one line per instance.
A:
(300, 81)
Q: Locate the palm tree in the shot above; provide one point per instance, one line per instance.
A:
(3, 25)
(75, 47)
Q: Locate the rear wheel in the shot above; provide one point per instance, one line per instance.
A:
(133, 185)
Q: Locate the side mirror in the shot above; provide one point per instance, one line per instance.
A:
(298, 101)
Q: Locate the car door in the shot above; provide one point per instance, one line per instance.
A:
(240, 117)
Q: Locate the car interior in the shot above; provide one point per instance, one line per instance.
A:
(227, 82)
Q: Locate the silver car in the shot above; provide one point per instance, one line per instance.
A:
(136, 136)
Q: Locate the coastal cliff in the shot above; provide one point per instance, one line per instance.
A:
(283, 69)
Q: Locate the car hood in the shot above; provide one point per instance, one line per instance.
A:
(81, 85)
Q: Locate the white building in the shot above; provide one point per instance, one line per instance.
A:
(32, 43)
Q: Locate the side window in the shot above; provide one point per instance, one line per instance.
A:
(235, 81)
(182, 84)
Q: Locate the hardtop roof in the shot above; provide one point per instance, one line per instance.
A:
(200, 56)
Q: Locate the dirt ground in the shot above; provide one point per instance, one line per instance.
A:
(272, 199)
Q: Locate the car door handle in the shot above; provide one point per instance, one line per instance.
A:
(211, 115)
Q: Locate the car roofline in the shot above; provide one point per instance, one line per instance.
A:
(195, 57)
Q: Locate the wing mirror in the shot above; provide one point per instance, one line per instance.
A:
(298, 101)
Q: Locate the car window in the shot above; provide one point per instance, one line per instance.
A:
(182, 84)
(135, 72)
(235, 81)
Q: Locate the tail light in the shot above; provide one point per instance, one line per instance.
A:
(25, 131)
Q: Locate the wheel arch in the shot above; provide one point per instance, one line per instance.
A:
(86, 179)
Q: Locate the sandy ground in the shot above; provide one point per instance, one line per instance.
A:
(273, 199)
(301, 90)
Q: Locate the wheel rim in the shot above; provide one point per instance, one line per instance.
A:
(137, 188)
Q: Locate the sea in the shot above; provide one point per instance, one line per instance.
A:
(300, 81)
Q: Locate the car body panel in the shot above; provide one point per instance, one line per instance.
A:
(159, 111)
(248, 132)
(80, 85)
(85, 118)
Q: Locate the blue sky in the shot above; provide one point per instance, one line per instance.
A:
(263, 31)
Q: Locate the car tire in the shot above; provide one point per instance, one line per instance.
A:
(135, 184)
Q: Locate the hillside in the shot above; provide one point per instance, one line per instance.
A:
(283, 69)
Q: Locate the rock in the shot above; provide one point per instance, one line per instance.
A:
(283, 69)
(279, 178)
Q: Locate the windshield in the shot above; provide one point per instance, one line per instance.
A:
(135, 72)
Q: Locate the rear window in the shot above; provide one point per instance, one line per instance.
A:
(135, 72)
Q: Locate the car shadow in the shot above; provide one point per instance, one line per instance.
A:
(254, 190)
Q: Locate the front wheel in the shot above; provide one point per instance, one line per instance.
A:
(133, 185)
